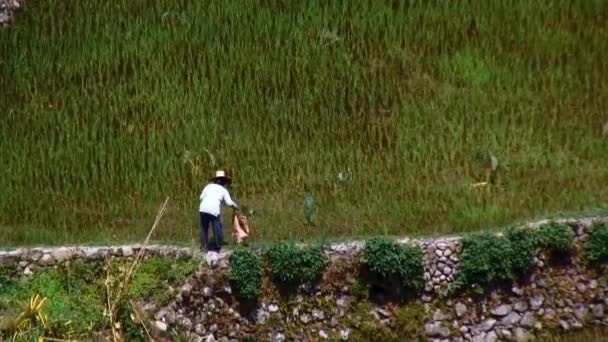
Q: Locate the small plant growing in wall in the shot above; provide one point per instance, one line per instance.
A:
(246, 273)
(596, 248)
(293, 265)
(555, 237)
(488, 259)
(391, 260)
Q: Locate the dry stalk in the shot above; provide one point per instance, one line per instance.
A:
(114, 300)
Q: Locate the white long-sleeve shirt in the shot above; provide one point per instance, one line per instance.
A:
(212, 197)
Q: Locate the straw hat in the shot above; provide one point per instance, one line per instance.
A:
(220, 174)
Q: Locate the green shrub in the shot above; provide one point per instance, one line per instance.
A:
(597, 245)
(488, 259)
(554, 236)
(523, 246)
(389, 259)
(290, 264)
(245, 273)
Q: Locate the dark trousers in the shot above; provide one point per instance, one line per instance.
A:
(218, 231)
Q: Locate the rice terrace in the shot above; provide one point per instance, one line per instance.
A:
(397, 170)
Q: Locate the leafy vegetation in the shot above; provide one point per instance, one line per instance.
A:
(155, 276)
(389, 259)
(75, 301)
(488, 259)
(291, 265)
(246, 273)
(597, 246)
(556, 237)
(107, 107)
(71, 298)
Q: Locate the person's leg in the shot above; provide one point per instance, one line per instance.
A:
(218, 232)
(205, 219)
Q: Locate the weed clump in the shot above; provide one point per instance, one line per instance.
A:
(488, 259)
(596, 249)
(292, 265)
(555, 237)
(245, 273)
(391, 260)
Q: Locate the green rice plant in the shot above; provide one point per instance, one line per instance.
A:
(108, 107)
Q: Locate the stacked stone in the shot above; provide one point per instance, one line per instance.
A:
(30, 260)
(440, 264)
(8, 10)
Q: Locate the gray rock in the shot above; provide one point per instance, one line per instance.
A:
(212, 259)
(536, 302)
(318, 314)
(581, 312)
(261, 316)
(438, 315)
(90, 252)
(447, 271)
(46, 260)
(334, 322)
(278, 337)
(487, 325)
(207, 292)
(185, 322)
(273, 308)
(305, 318)
(501, 310)
(479, 338)
(522, 335)
(435, 329)
(343, 301)
(460, 309)
(581, 288)
(506, 334)
(127, 251)
(160, 326)
(520, 306)
(62, 254)
(598, 311)
(323, 334)
(491, 337)
(171, 317)
(209, 338)
(564, 325)
(527, 321)
(344, 334)
(27, 272)
(511, 319)
(185, 290)
(200, 330)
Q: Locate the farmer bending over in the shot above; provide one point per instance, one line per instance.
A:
(213, 196)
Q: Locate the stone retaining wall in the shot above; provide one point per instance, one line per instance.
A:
(555, 297)
(8, 11)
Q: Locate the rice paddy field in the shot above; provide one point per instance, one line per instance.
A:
(387, 115)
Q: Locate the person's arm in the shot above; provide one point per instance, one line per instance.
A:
(228, 200)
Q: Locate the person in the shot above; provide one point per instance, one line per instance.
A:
(212, 197)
